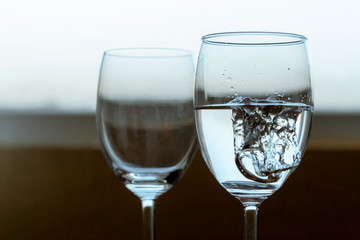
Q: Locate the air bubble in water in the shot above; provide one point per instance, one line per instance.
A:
(272, 99)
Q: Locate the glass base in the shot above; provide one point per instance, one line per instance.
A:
(148, 190)
(250, 193)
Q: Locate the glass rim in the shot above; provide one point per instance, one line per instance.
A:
(152, 52)
(293, 38)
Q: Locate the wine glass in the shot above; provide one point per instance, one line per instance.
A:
(254, 108)
(145, 120)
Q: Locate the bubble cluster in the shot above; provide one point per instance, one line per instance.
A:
(265, 139)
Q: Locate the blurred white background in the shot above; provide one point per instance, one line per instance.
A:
(50, 51)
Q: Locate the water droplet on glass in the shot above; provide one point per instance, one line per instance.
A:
(288, 69)
(276, 92)
(229, 79)
(235, 93)
(284, 90)
(289, 98)
(258, 73)
(232, 88)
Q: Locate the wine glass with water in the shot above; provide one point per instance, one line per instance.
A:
(145, 120)
(254, 107)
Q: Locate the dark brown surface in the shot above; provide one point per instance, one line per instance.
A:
(72, 194)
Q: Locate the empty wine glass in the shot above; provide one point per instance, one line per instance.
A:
(145, 120)
(254, 107)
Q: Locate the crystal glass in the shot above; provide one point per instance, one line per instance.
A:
(254, 106)
(145, 120)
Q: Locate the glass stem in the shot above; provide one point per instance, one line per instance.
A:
(148, 209)
(251, 221)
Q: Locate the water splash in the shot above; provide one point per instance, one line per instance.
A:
(265, 139)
